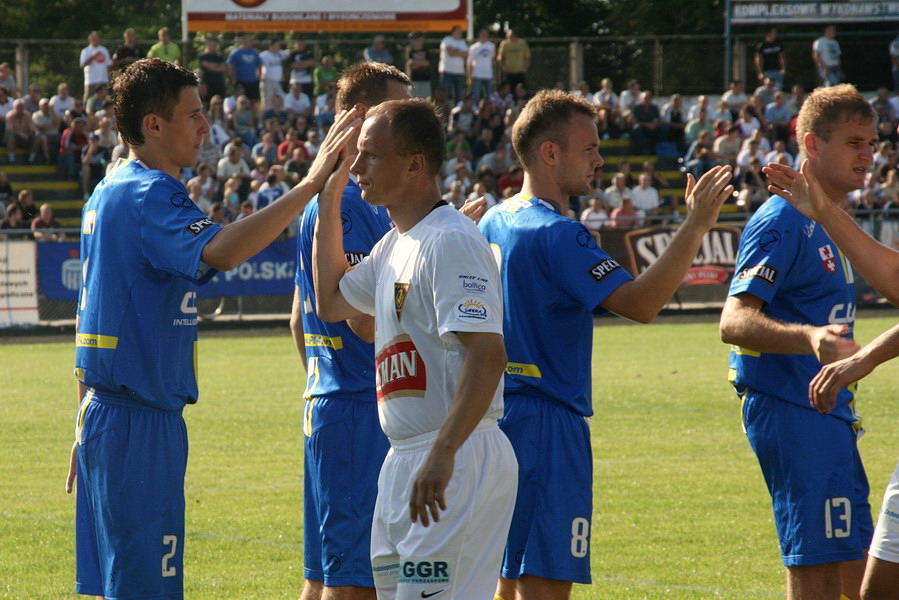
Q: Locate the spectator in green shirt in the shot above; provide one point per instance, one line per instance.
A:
(165, 48)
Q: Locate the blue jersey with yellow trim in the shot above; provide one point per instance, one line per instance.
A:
(553, 275)
(141, 242)
(791, 264)
(338, 363)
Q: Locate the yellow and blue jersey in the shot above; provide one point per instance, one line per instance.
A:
(142, 240)
(553, 275)
(791, 264)
(339, 364)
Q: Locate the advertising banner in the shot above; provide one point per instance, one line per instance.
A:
(269, 273)
(814, 11)
(18, 283)
(321, 16)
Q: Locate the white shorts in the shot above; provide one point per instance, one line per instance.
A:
(885, 544)
(459, 556)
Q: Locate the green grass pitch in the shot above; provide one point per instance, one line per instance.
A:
(680, 508)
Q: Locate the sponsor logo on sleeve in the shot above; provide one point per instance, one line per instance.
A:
(585, 239)
(766, 273)
(181, 200)
(354, 258)
(471, 310)
(197, 227)
(473, 284)
(601, 270)
(769, 240)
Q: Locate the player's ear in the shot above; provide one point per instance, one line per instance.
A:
(151, 124)
(549, 152)
(417, 164)
(811, 144)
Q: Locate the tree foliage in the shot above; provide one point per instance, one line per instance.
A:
(664, 17)
(548, 18)
(74, 19)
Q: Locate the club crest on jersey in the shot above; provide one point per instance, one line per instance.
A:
(828, 259)
(400, 292)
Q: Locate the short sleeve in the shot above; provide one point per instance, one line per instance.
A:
(580, 267)
(174, 230)
(358, 284)
(768, 248)
(466, 284)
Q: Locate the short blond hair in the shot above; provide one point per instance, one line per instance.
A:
(546, 117)
(826, 108)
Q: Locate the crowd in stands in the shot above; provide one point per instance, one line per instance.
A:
(269, 109)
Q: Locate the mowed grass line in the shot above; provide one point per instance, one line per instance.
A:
(681, 511)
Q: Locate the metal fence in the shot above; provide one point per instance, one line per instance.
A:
(685, 64)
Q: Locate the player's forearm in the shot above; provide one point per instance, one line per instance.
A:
(750, 328)
(883, 348)
(642, 299)
(296, 324)
(245, 238)
(482, 369)
(878, 263)
(328, 261)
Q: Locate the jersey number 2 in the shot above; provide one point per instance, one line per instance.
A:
(168, 570)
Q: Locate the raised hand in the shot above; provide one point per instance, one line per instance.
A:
(802, 191)
(334, 147)
(704, 198)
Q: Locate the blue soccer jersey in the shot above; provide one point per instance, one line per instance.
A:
(553, 274)
(338, 362)
(789, 262)
(141, 244)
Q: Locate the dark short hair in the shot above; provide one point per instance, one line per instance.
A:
(414, 128)
(147, 86)
(366, 83)
(546, 117)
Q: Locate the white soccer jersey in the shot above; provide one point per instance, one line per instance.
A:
(422, 286)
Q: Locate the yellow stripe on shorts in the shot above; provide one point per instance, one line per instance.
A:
(79, 423)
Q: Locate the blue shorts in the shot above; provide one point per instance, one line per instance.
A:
(129, 518)
(550, 533)
(818, 486)
(345, 448)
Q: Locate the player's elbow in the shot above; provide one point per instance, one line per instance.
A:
(727, 330)
(328, 311)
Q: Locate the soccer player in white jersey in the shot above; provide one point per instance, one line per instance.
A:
(549, 335)
(145, 247)
(447, 487)
(344, 446)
